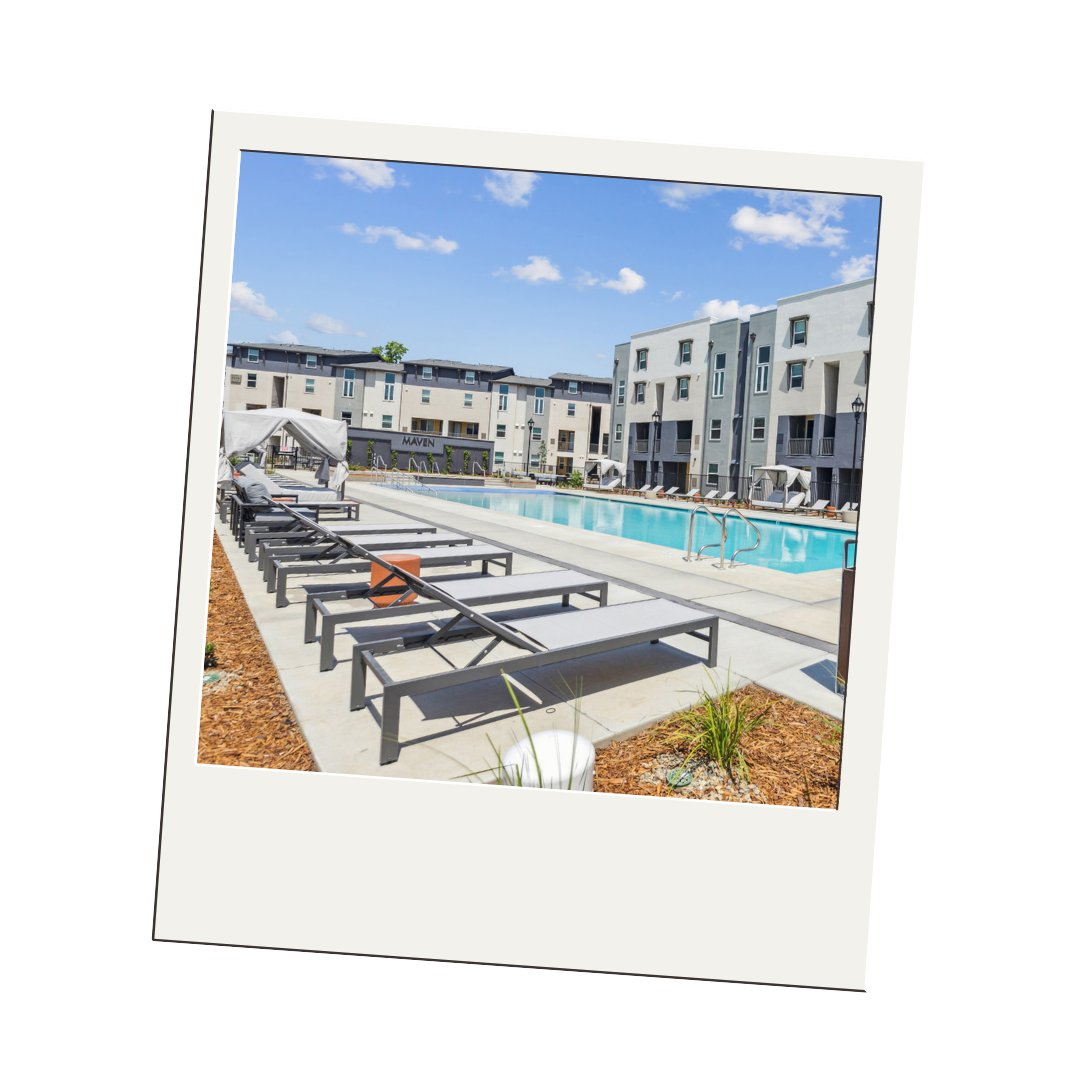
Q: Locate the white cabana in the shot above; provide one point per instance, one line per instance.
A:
(608, 466)
(242, 431)
(780, 476)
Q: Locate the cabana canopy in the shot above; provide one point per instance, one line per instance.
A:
(782, 476)
(607, 465)
(242, 431)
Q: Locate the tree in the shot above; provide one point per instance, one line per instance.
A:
(392, 352)
(543, 456)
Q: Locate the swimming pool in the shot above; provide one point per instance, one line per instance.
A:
(796, 549)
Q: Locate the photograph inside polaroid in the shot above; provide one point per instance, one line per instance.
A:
(539, 479)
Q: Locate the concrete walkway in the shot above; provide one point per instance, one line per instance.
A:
(777, 633)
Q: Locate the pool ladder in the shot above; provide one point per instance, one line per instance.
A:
(722, 522)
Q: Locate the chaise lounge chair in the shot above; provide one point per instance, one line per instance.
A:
(543, 640)
(690, 494)
(475, 591)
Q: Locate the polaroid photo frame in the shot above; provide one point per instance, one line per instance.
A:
(476, 873)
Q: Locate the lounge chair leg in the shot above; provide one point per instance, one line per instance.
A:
(358, 690)
(389, 747)
(603, 594)
(655, 641)
(309, 621)
(714, 643)
(326, 644)
(566, 600)
(282, 585)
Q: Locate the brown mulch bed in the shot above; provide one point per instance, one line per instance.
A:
(793, 761)
(246, 717)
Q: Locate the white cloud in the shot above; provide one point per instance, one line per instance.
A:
(795, 219)
(402, 241)
(511, 188)
(726, 309)
(584, 279)
(538, 268)
(679, 196)
(326, 324)
(628, 281)
(365, 175)
(856, 267)
(244, 298)
(671, 296)
(286, 337)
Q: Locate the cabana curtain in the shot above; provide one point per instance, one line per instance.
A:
(242, 431)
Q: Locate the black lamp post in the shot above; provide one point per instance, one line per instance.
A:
(528, 447)
(858, 408)
(656, 440)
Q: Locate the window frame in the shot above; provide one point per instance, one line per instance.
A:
(682, 388)
(309, 386)
(639, 393)
(618, 433)
(754, 427)
(252, 356)
(468, 400)
(621, 393)
(571, 408)
(792, 385)
(252, 380)
(572, 386)
(346, 415)
(348, 382)
(538, 401)
(641, 360)
(311, 360)
(387, 421)
(761, 370)
(686, 351)
(389, 382)
(425, 395)
(427, 372)
(716, 429)
(719, 374)
(470, 377)
(805, 320)
(500, 431)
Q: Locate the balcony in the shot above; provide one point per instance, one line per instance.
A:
(825, 447)
(641, 446)
(682, 446)
(594, 448)
(799, 447)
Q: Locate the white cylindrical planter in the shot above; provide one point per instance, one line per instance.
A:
(850, 517)
(565, 760)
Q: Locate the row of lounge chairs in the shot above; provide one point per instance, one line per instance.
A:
(291, 546)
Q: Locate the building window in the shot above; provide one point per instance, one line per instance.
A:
(459, 429)
(796, 377)
(387, 420)
(639, 393)
(715, 427)
(684, 352)
(500, 431)
(429, 427)
(314, 412)
(761, 383)
(470, 376)
(311, 360)
(538, 401)
(798, 331)
(684, 389)
(714, 474)
(347, 417)
(757, 432)
(621, 399)
(719, 365)
(468, 401)
(253, 356)
(388, 388)
(309, 386)
(348, 385)
(235, 379)
(425, 397)
(250, 407)
(252, 380)
(571, 387)
(498, 457)
(566, 442)
(618, 432)
(571, 408)
(642, 359)
(538, 434)
(504, 397)
(425, 373)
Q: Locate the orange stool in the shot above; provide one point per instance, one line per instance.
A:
(381, 578)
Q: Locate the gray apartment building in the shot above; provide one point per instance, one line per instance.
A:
(700, 403)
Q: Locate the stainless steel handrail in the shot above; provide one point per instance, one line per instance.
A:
(722, 522)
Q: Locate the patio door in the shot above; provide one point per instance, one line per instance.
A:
(564, 466)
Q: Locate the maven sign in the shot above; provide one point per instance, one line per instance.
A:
(416, 442)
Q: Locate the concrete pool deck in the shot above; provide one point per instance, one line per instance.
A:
(777, 633)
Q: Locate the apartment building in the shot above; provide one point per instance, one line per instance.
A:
(700, 403)
(423, 409)
(821, 365)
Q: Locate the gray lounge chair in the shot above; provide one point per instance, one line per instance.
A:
(475, 591)
(728, 496)
(709, 498)
(336, 548)
(670, 491)
(258, 539)
(543, 640)
(690, 494)
(817, 508)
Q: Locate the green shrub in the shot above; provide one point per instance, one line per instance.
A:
(465, 455)
(431, 462)
(370, 452)
(209, 656)
(575, 480)
(393, 459)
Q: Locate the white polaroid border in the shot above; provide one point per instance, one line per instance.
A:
(409, 868)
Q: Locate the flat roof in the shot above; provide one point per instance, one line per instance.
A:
(581, 378)
(827, 289)
(459, 365)
(301, 349)
(524, 380)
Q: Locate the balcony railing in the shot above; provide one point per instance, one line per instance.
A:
(641, 446)
(799, 447)
(682, 446)
(594, 448)
(825, 447)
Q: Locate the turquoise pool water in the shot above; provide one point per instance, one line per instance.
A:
(797, 549)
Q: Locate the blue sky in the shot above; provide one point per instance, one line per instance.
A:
(539, 271)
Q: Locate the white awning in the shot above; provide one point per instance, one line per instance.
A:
(607, 465)
(242, 431)
(782, 476)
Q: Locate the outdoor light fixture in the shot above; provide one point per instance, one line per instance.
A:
(857, 407)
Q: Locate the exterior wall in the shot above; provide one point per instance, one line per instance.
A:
(375, 405)
(620, 373)
(720, 452)
(758, 405)
(834, 360)
(447, 405)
